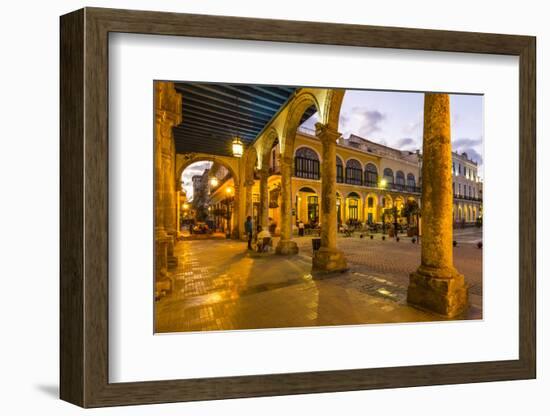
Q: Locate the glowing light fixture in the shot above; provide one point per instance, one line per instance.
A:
(228, 190)
(214, 182)
(185, 206)
(383, 183)
(237, 147)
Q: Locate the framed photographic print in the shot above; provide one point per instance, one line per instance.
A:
(255, 207)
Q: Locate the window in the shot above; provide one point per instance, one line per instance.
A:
(411, 182)
(388, 176)
(370, 202)
(354, 172)
(312, 209)
(400, 180)
(353, 209)
(339, 170)
(371, 175)
(454, 193)
(459, 189)
(306, 164)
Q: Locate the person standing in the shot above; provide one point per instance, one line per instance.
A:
(301, 228)
(249, 229)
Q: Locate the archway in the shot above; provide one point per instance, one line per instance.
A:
(353, 208)
(213, 203)
(307, 206)
(371, 208)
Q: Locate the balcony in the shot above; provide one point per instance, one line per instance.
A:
(467, 198)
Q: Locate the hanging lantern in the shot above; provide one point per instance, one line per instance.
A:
(237, 147)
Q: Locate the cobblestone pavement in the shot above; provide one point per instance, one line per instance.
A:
(220, 286)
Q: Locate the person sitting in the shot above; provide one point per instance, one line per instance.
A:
(263, 240)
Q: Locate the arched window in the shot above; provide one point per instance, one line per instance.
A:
(400, 180)
(306, 164)
(354, 172)
(339, 170)
(371, 175)
(353, 206)
(411, 182)
(388, 177)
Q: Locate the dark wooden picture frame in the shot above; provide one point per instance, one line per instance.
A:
(84, 207)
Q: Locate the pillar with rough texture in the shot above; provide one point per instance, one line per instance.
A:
(328, 258)
(436, 285)
(248, 186)
(286, 245)
(236, 220)
(264, 197)
(167, 115)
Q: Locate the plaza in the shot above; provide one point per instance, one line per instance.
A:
(219, 286)
(345, 230)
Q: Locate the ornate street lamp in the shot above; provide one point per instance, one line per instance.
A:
(237, 147)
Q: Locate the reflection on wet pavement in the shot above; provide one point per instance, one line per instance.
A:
(218, 286)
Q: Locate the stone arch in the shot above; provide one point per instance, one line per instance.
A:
(333, 105)
(266, 143)
(301, 102)
(184, 160)
(250, 163)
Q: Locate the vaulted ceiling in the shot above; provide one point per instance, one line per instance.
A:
(215, 113)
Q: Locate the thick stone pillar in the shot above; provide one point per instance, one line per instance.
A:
(248, 186)
(264, 197)
(328, 258)
(286, 245)
(436, 285)
(167, 115)
(236, 220)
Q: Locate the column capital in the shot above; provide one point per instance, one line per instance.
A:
(324, 132)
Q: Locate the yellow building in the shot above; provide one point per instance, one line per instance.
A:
(370, 178)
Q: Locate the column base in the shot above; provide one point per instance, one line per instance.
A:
(441, 291)
(163, 287)
(286, 247)
(328, 260)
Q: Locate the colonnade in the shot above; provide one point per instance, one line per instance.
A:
(436, 285)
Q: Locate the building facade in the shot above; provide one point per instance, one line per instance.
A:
(371, 179)
(467, 190)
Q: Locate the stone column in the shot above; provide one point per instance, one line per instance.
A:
(286, 246)
(248, 186)
(236, 220)
(264, 197)
(328, 258)
(167, 115)
(436, 285)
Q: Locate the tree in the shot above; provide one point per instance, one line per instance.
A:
(409, 210)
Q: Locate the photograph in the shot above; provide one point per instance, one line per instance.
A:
(306, 206)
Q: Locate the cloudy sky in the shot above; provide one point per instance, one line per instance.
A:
(193, 169)
(395, 119)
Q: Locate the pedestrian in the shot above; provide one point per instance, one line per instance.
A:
(249, 229)
(301, 228)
